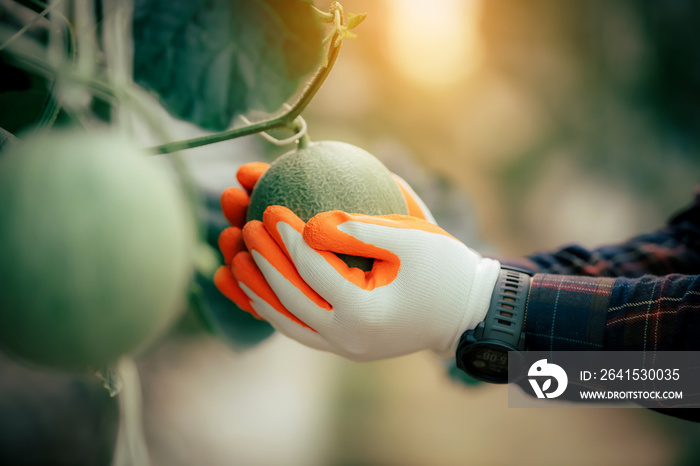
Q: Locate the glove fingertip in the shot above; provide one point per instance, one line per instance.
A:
(323, 227)
(278, 213)
(416, 207)
(252, 232)
(230, 243)
(226, 283)
(234, 205)
(249, 174)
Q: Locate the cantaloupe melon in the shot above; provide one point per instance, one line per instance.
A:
(96, 249)
(328, 175)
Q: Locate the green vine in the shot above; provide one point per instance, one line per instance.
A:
(286, 120)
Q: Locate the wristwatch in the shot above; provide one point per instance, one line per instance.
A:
(482, 352)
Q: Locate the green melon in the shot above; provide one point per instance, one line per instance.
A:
(97, 244)
(328, 175)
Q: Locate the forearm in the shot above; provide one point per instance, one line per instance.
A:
(654, 314)
(674, 248)
(574, 313)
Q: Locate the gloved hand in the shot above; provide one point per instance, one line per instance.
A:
(425, 288)
(234, 205)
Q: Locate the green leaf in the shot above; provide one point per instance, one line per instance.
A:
(26, 109)
(210, 310)
(230, 323)
(211, 60)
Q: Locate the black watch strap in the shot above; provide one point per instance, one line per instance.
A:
(506, 315)
(502, 329)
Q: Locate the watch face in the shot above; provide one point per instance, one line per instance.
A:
(486, 362)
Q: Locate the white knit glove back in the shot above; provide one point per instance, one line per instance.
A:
(425, 288)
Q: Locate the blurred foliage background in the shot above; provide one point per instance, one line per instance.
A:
(524, 125)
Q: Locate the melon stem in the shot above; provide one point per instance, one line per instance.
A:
(304, 141)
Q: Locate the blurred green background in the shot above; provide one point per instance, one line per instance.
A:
(524, 125)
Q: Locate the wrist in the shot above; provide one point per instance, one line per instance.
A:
(483, 352)
(473, 305)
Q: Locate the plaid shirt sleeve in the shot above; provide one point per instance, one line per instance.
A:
(643, 294)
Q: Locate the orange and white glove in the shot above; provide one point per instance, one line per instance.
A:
(234, 205)
(425, 288)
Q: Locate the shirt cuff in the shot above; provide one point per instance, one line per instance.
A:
(567, 313)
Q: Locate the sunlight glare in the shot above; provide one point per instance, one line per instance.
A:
(433, 43)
